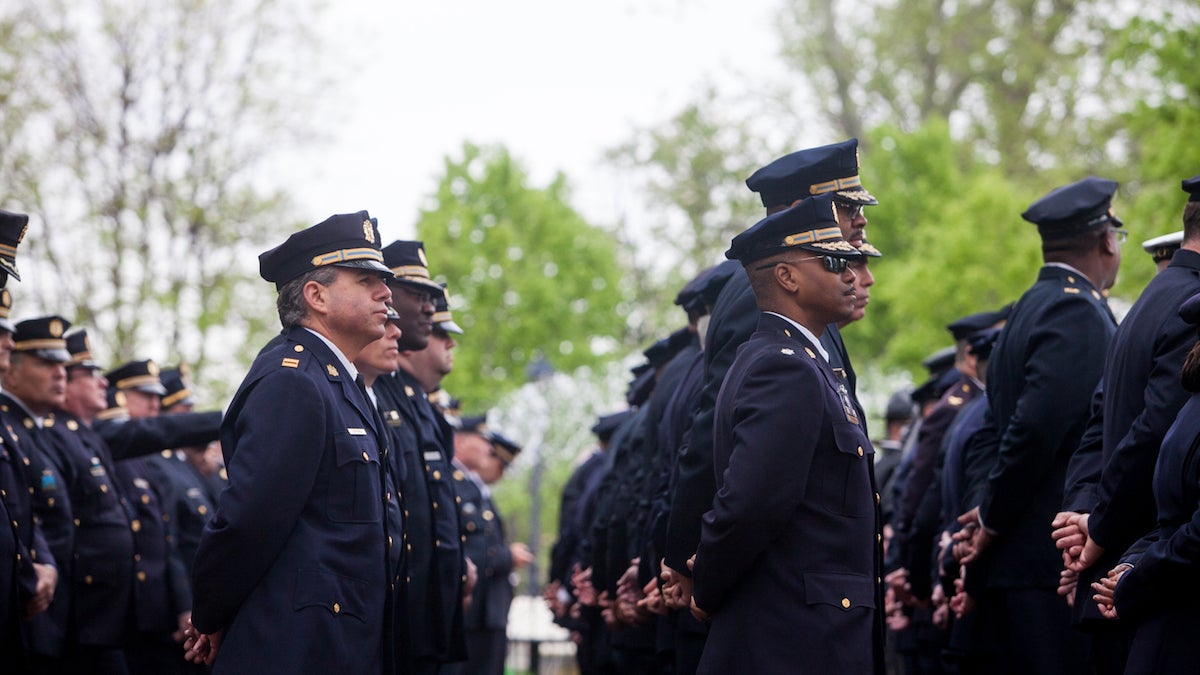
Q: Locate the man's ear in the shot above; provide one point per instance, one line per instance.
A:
(317, 297)
(786, 277)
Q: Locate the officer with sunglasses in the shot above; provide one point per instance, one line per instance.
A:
(831, 170)
(789, 564)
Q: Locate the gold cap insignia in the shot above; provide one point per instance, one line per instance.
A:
(421, 255)
(152, 368)
(55, 328)
(368, 231)
(331, 370)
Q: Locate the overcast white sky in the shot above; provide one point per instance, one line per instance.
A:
(556, 81)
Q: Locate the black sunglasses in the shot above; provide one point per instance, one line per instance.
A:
(830, 263)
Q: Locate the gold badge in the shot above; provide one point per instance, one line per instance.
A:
(331, 370)
(368, 231)
(291, 363)
(810, 353)
(421, 255)
(847, 406)
(56, 328)
(152, 368)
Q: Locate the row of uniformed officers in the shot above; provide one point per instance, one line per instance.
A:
(1031, 508)
(338, 516)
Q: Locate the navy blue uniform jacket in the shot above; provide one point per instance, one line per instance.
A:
(1160, 594)
(788, 562)
(1046, 363)
(294, 564)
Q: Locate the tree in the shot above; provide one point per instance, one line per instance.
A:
(527, 275)
(691, 169)
(952, 239)
(1023, 81)
(131, 132)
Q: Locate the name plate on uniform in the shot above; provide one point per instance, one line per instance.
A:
(432, 455)
(356, 431)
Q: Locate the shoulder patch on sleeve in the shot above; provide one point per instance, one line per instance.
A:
(291, 363)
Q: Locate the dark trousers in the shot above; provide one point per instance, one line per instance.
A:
(1166, 644)
(486, 651)
(1034, 633)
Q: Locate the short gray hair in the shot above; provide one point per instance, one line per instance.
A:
(291, 304)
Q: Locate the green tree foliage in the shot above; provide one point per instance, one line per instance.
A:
(691, 170)
(1018, 79)
(1158, 54)
(952, 238)
(527, 274)
(131, 134)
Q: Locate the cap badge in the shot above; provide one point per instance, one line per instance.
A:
(152, 368)
(421, 255)
(55, 328)
(368, 231)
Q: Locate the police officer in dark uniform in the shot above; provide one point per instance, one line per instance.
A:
(102, 579)
(34, 385)
(433, 585)
(162, 596)
(292, 574)
(1045, 365)
(29, 584)
(789, 562)
(480, 457)
(1155, 582)
(186, 495)
(1141, 398)
(831, 169)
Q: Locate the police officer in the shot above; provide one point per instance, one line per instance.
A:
(34, 385)
(480, 458)
(1045, 365)
(162, 597)
(28, 575)
(1141, 398)
(1162, 248)
(101, 585)
(292, 573)
(433, 585)
(185, 493)
(831, 169)
(789, 561)
(1155, 585)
